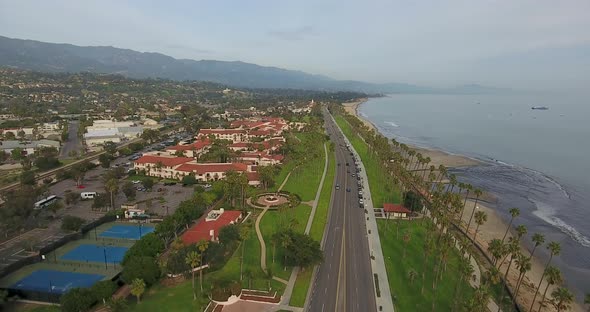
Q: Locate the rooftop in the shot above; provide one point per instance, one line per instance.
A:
(204, 230)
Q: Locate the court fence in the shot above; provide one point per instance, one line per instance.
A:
(48, 296)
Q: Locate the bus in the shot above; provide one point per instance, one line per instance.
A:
(45, 202)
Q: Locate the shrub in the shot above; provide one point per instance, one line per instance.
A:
(71, 223)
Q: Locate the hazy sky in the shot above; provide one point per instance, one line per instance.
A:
(534, 44)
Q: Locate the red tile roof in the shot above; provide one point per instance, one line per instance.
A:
(201, 230)
(253, 176)
(196, 146)
(166, 161)
(220, 131)
(387, 207)
(206, 168)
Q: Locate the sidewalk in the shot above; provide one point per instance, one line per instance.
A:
(378, 263)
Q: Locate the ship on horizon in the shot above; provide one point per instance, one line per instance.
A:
(540, 107)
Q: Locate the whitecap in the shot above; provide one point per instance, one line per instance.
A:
(547, 214)
(391, 123)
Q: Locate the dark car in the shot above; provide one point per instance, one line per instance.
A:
(348, 190)
(169, 183)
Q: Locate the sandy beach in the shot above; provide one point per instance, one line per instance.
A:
(492, 229)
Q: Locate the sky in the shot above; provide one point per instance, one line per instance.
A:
(528, 44)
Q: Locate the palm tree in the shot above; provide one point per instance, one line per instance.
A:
(480, 218)
(479, 301)
(587, 301)
(553, 277)
(412, 274)
(514, 212)
(554, 249)
(137, 288)
(477, 193)
(538, 239)
(523, 263)
(406, 239)
(112, 186)
(192, 259)
(465, 271)
(244, 234)
(497, 249)
(561, 298)
(514, 251)
(202, 246)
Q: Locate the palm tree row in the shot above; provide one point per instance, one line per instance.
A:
(445, 202)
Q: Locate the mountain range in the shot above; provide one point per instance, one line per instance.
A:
(53, 57)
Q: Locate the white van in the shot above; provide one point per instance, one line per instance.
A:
(88, 195)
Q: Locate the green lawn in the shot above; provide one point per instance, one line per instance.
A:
(321, 213)
(301, 287)
(270, 223)
(177, 298)
(407, 295)
(304, 180)
(382, 188)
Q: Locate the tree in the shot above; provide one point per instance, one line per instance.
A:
(479, 301)
(137, 288)
(538, 239)
(189, 180)
(587, 300)
(514, 212)
(150, 245)
(523, 263)
(71, 223)
(27, 178)
(112, 187)
(229, 234)
(480, 218)
(202, 246)
(117, 304)
(150, 135)
(141, 267)
(105, 160)
(103, 290)
(77, 300)
(554, 249)
(412, 274)
(561, 298)
(497, 249)
(192, 259)
(553, 277)
(129, 190)
(110, 148)
(148, 183)
(477, 193)
(71, 197)
(302, 250)
(100, 201)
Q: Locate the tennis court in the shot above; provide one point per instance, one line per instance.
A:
(57, 282)
(96, 253)
(127, 231)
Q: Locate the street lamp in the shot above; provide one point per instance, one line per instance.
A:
(140, 230)
(105, 258)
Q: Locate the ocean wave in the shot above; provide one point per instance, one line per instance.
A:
(391, 123)
(546, 213)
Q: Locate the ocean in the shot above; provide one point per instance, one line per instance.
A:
(536, 160)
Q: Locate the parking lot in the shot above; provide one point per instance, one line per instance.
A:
(161, 200)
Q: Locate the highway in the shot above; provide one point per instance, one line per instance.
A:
(344, 281)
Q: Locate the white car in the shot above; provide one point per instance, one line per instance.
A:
(135, 181)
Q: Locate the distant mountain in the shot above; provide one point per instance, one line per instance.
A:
(52, 57)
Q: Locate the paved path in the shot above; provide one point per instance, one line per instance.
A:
(261, 239)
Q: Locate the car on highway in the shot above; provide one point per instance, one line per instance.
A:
(353, 175)
(337, 186)
(348, 189)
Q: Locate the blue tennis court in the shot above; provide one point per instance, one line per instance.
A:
(96, 253)
(56, 282)
(127, 231)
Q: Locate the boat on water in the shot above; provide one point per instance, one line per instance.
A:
(540, 107)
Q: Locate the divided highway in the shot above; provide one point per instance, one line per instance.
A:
(344, 281)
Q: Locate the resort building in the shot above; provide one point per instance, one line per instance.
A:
(395, 211)
(208, 229)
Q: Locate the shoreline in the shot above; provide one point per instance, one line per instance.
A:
(495, 226)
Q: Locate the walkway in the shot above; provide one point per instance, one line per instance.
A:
(261, 239)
